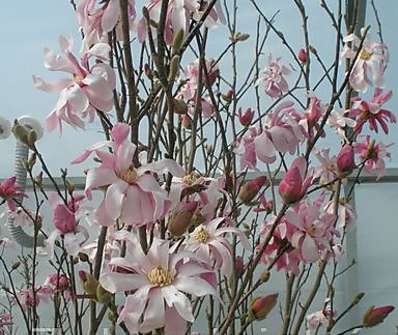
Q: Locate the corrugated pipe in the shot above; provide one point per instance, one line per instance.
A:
(21, 155)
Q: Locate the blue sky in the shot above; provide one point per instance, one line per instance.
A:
(29, 26)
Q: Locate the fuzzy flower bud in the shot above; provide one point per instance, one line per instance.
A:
(261, 306)
(250, 189)
(376, 315)
(182, 219)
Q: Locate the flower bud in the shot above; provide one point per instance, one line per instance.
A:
(103, 296)
(262, 306)
(20, 132)
(292, 187)
(174, 63)
(148, 72)
(90, 284)
(182, 219)
(32, 137)
(180, 107)
(250, 189)
(228, 96)
(246, 118)
(376, 315)
(345, 159)
(302, 56)
(177, 40)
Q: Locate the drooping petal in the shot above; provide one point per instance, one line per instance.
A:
(121, 282)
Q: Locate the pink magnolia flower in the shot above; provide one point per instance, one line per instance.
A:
(370, 65)
(313, 229)
(160, 281)
(9, 189)
(373, 154)
(178, 16)
(28, 299)
(209, 244)
(89, 89)
(296, 181)
(273, 78)
(190, 80)
(346, 216)
(282, 133)
(133, 194)
(57, 283)
(5, 320)
(97, 18)
(207, 192)
(66, 221)
(339, 120)
(372, 112)
(249, 190)
(245, 149)
(327, 171)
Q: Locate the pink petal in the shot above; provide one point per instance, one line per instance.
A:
(121, 282)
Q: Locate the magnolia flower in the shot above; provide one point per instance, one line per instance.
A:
(58, 283)
(372, 155)
(89, 89)
(207, 192)
(370, 65)
(28, 299)
(346, 215)
(327, 171)
(282, 133)
(296, 181)
(338, 121)
(245, 149)
(178, 16)
(5, 128)
(313, 229)
(273, 78)
(160, 281)
(209, 244)
(372, 112)
(97, 18)
(133, 194)
(65, 219)
(9, 189)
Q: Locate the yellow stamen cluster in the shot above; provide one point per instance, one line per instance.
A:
(201, 235)
(160, 276)
(191, 178)
(129, 175)
(365, 55)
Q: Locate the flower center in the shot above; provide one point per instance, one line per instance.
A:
(129, 175)
(190, 179)
(201, 235)
(365, 55)
(160, 276)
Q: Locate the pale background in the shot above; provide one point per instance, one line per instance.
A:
(29, 26)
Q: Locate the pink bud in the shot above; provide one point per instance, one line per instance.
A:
(302, 56)
(262, 306)
(249, 190)
(246, 118)
(290, 188)
(345, 159)
(64, 219)
(376, 315)
(182, 219)
(83, 275)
